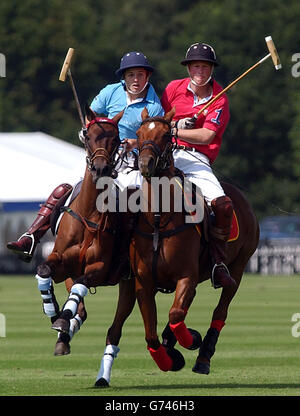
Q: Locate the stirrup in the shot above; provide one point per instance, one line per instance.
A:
(29, 253)
(26, 255)
(214, 284)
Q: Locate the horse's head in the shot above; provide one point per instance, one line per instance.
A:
(101, 143)
(155, 143)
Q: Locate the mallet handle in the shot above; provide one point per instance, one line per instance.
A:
(66, 70)
(76, 98)
(230, 85)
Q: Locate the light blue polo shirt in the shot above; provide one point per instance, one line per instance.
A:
(113, 98)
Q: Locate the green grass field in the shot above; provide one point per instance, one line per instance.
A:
(256, 355)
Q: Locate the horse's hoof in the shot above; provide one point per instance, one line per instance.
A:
(168, 338)
(177, 358)
(61, 348)
(101, 383)
(61, 325)
(197, 339)
(201, 368)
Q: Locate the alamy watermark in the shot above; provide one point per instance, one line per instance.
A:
(296, 66)
(296, 327)
(159, 195)
(2, 326)
(2, 65)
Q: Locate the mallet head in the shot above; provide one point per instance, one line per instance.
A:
(273, 52)
(66, 65)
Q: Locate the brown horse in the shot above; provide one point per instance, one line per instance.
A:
(169, 254)
(88, 239)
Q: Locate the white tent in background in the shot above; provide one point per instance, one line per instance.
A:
(33, 164)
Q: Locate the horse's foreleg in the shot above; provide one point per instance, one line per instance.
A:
(185, 293)
(62, 346)
(62, 324)
(125, 306)
(81, 315)
(147, 305)
(208, 347)
(45, 286)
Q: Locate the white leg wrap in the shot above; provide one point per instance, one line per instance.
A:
(72, 303)
(49, 309)
(110, 353)
(75, 325)
(45, 286)
(78, 291)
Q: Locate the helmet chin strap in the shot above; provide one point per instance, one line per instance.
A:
(139, 92)
(206, 82)
(200, 85)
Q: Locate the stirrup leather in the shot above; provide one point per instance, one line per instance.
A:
(214, 284)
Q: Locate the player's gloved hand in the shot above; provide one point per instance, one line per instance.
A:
(186, 123)
(130, 144)
(174, 128)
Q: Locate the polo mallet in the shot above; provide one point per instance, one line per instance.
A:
(65, 70)
(276, 61)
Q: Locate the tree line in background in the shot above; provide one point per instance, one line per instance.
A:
(261, 146)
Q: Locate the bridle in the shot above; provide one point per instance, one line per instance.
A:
(163, 157)
(101, 151)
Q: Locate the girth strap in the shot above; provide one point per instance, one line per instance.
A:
(157, 236)
(165, 234)
(78, 217)
(92, 227)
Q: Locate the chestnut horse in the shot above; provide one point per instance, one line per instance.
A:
(169, 254)
(88, 239)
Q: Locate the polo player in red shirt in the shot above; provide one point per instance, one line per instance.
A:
(198, 144)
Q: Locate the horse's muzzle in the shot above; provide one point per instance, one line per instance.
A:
(100, 171)
(147, 166)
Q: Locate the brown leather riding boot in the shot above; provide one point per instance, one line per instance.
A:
(25, 246)
(220, 232)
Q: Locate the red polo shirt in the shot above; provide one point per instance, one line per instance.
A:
(215, 117)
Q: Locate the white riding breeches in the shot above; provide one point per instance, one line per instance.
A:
(195, 166)
(197, 169)
(128, 178)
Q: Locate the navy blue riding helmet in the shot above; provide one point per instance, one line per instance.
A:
(133, 60)
(200, 52)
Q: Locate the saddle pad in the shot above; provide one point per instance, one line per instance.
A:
(235, 229)
(56, 221)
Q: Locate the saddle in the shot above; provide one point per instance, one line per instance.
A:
(58, 210)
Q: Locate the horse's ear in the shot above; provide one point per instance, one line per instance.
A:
(90, 115)
(145, 114)
(168, 116)
(118, 117)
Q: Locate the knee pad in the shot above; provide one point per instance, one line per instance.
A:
(222, 205)
(61, 190)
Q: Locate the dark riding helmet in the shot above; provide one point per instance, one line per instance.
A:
(200, 52)
(133, 60)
